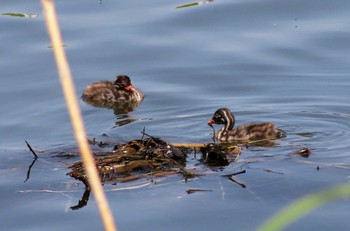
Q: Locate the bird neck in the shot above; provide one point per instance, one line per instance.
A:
(230, 122)
(229, 125)
(223, 132)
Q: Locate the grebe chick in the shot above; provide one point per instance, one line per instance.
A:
(112, 93)
(243, 133)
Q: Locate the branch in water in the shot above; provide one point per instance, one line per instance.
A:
(235, 173)
(31, 165)
(232, 178)
(30, 148)
(235, 181)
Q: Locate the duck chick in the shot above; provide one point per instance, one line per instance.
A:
(243, 133)
(108, 93)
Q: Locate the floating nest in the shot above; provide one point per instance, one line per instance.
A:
(135, 159)
(152, 157)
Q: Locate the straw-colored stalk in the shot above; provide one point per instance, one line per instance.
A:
(196, 145)
(75, 115)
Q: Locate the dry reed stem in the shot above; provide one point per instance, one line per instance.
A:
(195, 145)
(75, 115)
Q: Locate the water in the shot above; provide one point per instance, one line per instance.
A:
(281, 61)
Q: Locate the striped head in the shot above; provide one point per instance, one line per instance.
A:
(223, 116)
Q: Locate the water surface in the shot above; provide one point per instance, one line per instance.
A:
(286, 62)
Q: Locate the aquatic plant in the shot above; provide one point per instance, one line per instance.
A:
(303, 206)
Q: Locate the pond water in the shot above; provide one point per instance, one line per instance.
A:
(287, 62)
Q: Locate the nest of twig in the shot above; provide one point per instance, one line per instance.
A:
(135, 159)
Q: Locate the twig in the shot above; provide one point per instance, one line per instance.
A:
(177, 145)
(190, 191)
(195, 145)
(30, 148)
(75, 115)
(143, 132)
(33, 162)
(235, 181)
(270, 170)
(232, 178)
(235, 173)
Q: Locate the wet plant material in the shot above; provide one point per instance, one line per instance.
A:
(152, 157)
(194, 4)
(136, 159)
(232, 178)
(195, 190)
(21, 15)
(148, 157)
(33, 162)
(221, 154)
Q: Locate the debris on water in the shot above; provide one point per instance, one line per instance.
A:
(33, 162)
(30, 148)
(232, 178)
(235, 173)
(152, 157)
(237, 182)
(221, 154)
(21, 15)
(190, 191)
(304, 152)
(194, 4)
(98, 143)
(135, 159)
(272, 171)
(149, 157)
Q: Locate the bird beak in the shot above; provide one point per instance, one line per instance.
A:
(210, 122)
(129, 88)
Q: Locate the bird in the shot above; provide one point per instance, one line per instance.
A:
(112, 93)
(245, 133)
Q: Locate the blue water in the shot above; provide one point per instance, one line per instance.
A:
(286, 62)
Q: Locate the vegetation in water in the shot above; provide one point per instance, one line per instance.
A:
(21, 15)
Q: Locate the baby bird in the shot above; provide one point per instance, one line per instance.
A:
(112, 93)
(244, 133)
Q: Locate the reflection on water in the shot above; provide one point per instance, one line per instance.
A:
(281, 61)
(123, 108)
